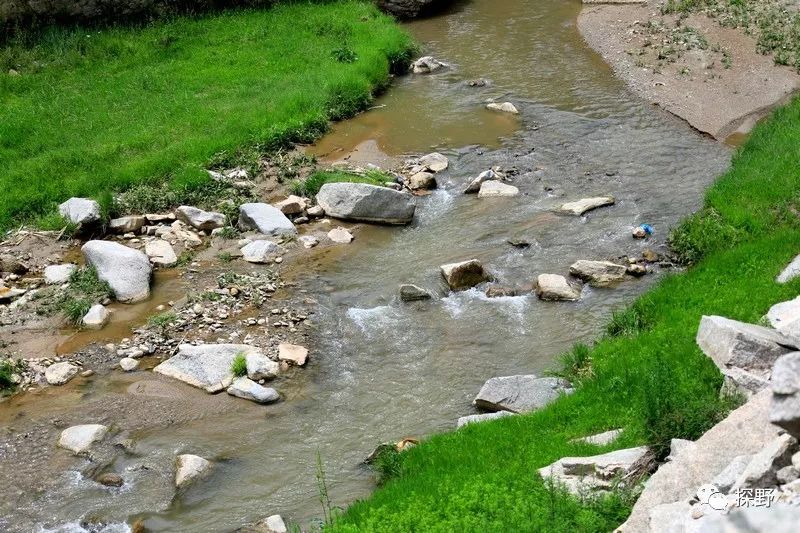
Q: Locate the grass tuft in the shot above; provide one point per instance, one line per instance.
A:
(311, 185)
(239, 365)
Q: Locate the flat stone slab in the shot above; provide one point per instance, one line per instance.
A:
(474, 419)
(207, 366)
(520, 394)
(585, 205)
(598, 472)
(79, 439)
(366, 203)
(496, 189)
(598, 272)
(265, 219)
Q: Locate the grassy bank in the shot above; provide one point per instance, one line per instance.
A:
(86, 112)
(646, 375)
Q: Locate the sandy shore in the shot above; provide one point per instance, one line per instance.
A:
(706, 74)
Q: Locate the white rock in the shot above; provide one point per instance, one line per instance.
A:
(340, 235)
(464, 275)
(261, 251)
(60, 373)
(586, 204)
(58, 274)
(127, 271)
(80, 210)
(160, 253)
(97, 317)
(248, 389)
(308, 241)
(292, 353)
(475, 185)
(207, 366)
(426, 65)
(265, 219)
(128, 364)
(259, 366)
(189, 468)
(78, 439)
(599, 472)
(494, 188)
(128, 224)
(274, 524)
(520, 394)
(293, 205)
(505, 107)
(556, 288)
(598, 272)
(785, 317)
(790, 272)
(473, 419)
(435, 162)
(600, 439)
(200, 219)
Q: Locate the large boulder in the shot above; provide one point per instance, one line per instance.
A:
(556, 288)
(79, 439)
(207, 366)
(200, 219)
(250, 390)
(598, 272)
(599, 472)
(464, 275)
(585, 205)
(265, 219)
(127, 271)
(189, 468)
(786, 393)
(367, 203)
(160, 253)
(80, 210)
(520, 394)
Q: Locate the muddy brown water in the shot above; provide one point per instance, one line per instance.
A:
(381, 370)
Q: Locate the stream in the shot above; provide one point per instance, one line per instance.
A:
(382, 370)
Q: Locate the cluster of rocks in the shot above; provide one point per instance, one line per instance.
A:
(38, 372)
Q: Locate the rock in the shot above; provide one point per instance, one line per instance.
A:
(293, 205)
(9, 294)
(189, 468)
(315, 212)
(496, 291)
(250, 390)
(600, 439)
(787, 474)
(406, 9)
(736, 345)
(598, 472)
(556, 288)
(265, 219)
(340, 235)
(473, 419)
(598, 272)
(435, 162)
(274, 524)
(494, 188)
(464, 275)
(505, 107)
(791, 271)
(586, 204)
(422, 180)
(636, 270)
(367, 203)
(786, 393)
(778, 517)
(60, 373)
(80, 210)
(426, 65)
(159, 218)
(97, 317)
(520, 394)
(412, 293)
(79, 439)
(58, 274)
(110, 479)
(128, 364)
(745, 431)
(129, 224)
(475, 185)
(785, 317)
(199, 219)
(725, 480)
(292, 353)
(650, 256)
(259, 366)
(308, 241)
(670, 517)
(261, 251)
(12, 265)
(207, 366)
(478, 82)
(127, 271)
(160, 253)
(677, 447)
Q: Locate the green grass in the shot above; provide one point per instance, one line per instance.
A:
(646, 374)
(239, 365)
(101, 111)
(7, 384)
(311, 185)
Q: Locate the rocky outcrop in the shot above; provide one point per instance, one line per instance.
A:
(250, 390)
(127, 271)
(265, 219)
(556, 288)
(79, 439)
(80, 211)
(189, 468)
(585, 205)
(199, 219)
(520, 394)
(464, 275)
(366, 203)
(207, 366)
(600, 472)
(599, 273)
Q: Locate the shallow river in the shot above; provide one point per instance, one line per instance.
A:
(381, 370)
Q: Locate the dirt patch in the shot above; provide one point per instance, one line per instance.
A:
(709, 75)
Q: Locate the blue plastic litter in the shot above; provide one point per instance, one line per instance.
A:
(647, 228)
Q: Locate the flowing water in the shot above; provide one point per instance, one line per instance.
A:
(382, 370)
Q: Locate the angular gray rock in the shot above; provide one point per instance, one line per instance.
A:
(292, 205)
(265, 219)
(464, 275)
(785, 410)
(725, 480)
(475, 185)
(785, 317)
(777, 518)
(60, 373)
(190, 468)
(80, 210)
(260, 251)
(496, 189)
(598, 472)
(473, 419)
(79, 439)
(556, 288)
(422, 180)
(200, 219)
(207, 366)
(367, 203)
(412, 293)
(160, 253)
(292, 353)
(791, 271)
(435, 162)
(427, 64)
(585, 205)
(97, 317)
(259, 366)
(58, 274)
(128, 224)
(248, 389)
(598, 272)
(127, 271)
(520, 394)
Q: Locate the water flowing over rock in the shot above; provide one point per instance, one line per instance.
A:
(599, 472)
(261, 251)
(127, 271)
(265, 219)
(412, 293)
(422, 180)
(494, 188)
(366, 203)
(79, 439)
(520, 394)
(598, 272)
(248, 389)
(58, 274)
(585, 205)
(189, 468)
(427, 65)
(160, 253)
(786, 393)
(97, 317)
(484, 417)
(464, 275)
(60, 373)
(128, 224)
(505, 107)
(207, 366)
(80, 210)
(556, 288)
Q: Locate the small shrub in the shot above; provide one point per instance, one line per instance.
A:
(576, 364)
(6, 370)
(239, 365)
(75, 309)
(225, 257)
(631, 320)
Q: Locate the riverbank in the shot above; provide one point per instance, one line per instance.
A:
(646, 375)
(711, 72)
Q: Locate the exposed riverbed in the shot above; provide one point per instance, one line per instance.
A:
(380, 369)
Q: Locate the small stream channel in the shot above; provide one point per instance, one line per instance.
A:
(381, 370)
